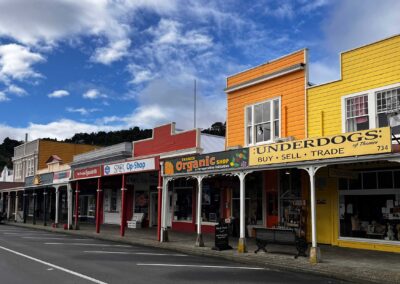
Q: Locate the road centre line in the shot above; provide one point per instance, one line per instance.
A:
(54, 266)
(201, 266)
(135, 253)
(84, 244)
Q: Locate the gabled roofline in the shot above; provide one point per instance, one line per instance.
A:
(347, 51)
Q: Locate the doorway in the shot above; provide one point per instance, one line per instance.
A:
(153, 209)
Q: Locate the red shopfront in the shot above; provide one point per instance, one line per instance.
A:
(86, 185)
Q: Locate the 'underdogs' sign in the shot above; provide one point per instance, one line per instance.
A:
(130, 167)
(366, 142)
(207, 162)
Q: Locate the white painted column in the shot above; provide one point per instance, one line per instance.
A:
(8, 205)
(57, 204)
(164, 210)
(16, 206)
(242, 240)
(69, 201)
(315, 255)
(199, 240)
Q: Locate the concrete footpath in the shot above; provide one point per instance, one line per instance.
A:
(347, 264)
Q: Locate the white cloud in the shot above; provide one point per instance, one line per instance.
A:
(93, 94)
(44, 23)
(82, 111)
(16, 62)
(14, 89)
(171, 32)
(358, 22)
(60, 129)
(140, 74)
(58, 94)
(111, 53)
(322, 72)
(3, 97)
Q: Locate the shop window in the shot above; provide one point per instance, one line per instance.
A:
(343, 184)
(263, 122)
(113, 200)
(183, 204)
(357, 113)
(385, 179)
(356, 183)
(396, 175)
(253, 200)
(211, 204)
(369, 180)
(387, 101)
(142, 202)
(290, 199)
(370, 216)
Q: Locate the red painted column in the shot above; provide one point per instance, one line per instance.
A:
(77, 206)
(98, 205)
(159, 205)
(123, 209)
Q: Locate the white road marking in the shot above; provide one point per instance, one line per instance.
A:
(54, 266)
(136, 253)
(200, 266)
(53, 238)
(82, 244)
(33, 234)
(50, 269)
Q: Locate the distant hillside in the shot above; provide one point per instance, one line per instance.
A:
(101, 138)
(7, 151)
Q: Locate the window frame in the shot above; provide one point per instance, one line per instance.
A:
(372, 105)
(271, 121)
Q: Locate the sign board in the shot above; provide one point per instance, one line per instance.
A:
(87, 172)
(61, 177)
(221, 236)
(42, 179)
(366, 142)
(130, 167)
(207, 162)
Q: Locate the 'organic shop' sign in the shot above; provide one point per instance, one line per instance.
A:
(366, 142)
(130, 167)
(206, 162)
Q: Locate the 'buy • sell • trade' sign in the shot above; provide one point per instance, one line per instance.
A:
(366, 142)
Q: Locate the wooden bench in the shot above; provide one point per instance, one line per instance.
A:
(266, 236)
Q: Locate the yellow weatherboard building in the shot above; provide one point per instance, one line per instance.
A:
(360, 207)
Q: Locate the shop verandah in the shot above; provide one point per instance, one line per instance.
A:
(333, 228)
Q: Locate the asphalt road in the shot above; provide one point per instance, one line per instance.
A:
(32, 256)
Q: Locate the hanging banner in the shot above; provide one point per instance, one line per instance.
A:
(207, 162)
(130, 167)
(366, 142)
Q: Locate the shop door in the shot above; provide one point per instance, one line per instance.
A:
(170, 210)
(153, 208)
(272, 209)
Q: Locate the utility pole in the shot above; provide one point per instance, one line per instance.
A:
(194, 104)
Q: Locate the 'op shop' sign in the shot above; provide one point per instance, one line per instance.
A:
(129, 167)
(365, 142)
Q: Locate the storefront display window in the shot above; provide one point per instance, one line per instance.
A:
(371, 211)
(183, 204)
(211, 204)
(142, 202)
(113, 200)
(253, 200)
(291, 202)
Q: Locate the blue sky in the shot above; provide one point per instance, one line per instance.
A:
(72, 66)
